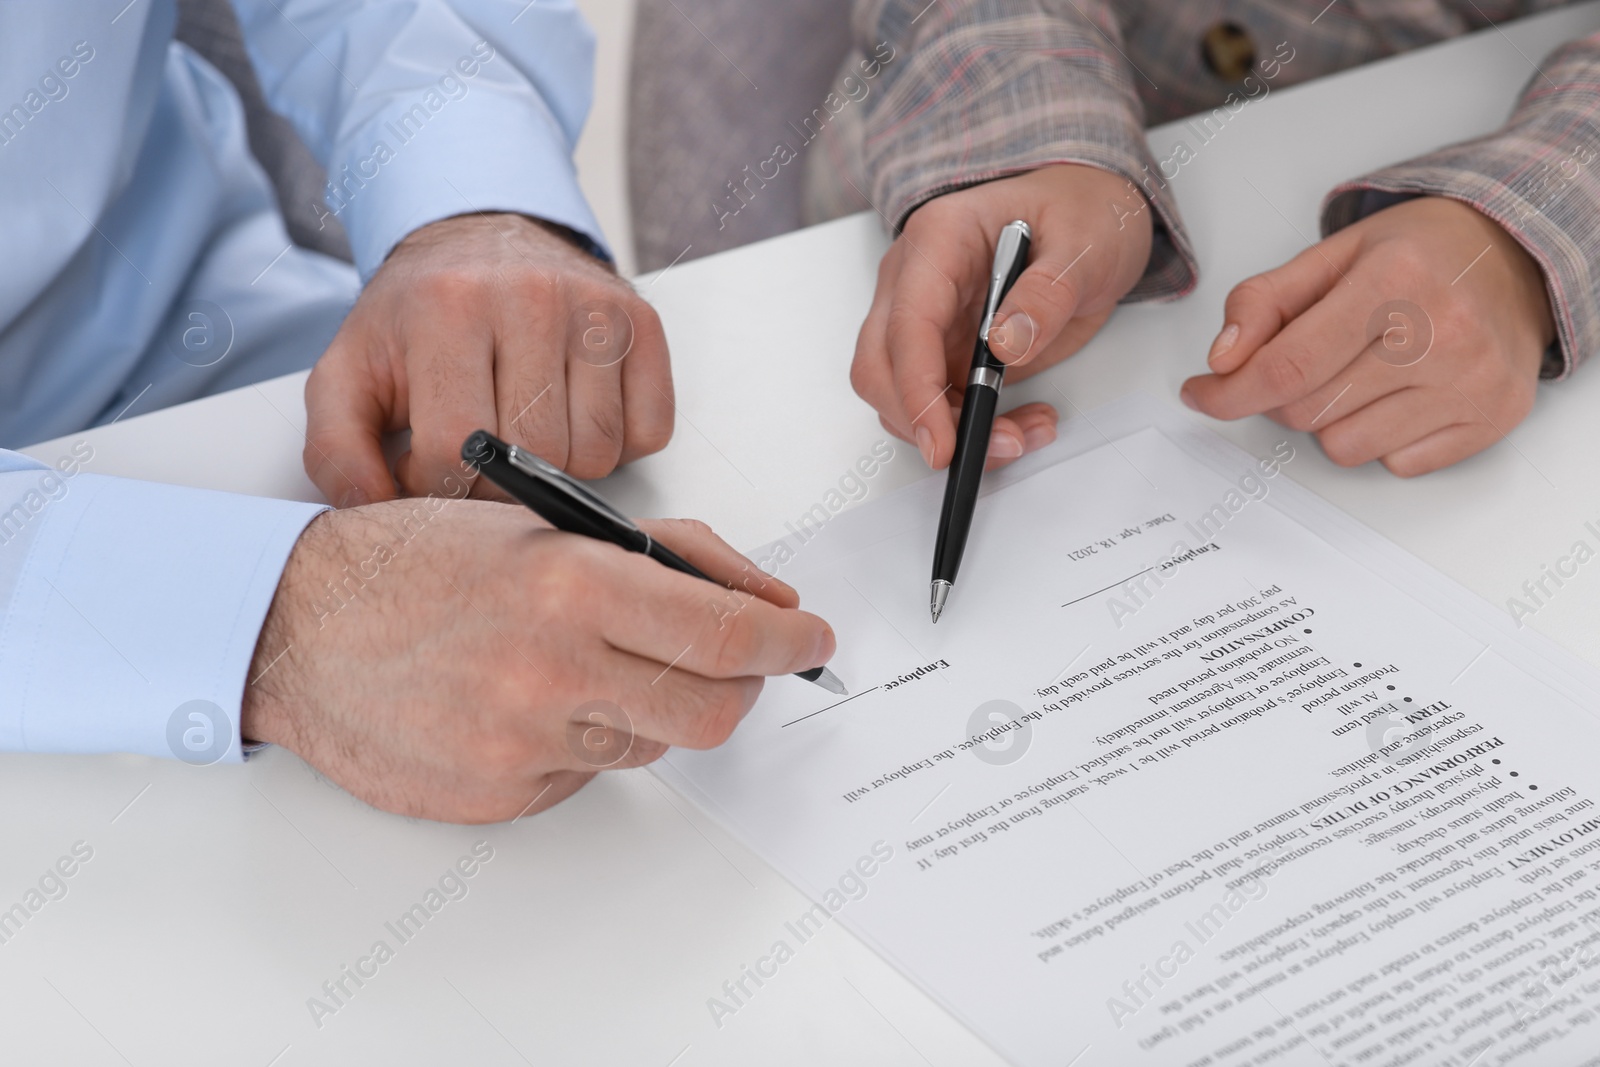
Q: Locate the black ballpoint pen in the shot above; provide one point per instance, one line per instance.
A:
(977, 420)
(569, 505)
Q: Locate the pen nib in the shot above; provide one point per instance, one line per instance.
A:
(937, 595)
(830, 681)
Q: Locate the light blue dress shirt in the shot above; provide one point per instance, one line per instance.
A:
(143, 263)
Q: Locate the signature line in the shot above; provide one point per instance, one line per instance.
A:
(1113, 585)
(830, 707)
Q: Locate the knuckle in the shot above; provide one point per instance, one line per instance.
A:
(529, 281)
(317, 380)
(653, 433)
(704, 724)
(502, 756)
(431, 445)
(861, 371)
(889, 265)
(746, 691)
(686, 529)
(1252, 292)
(453, 289)
(647, 421)
(900, 322)
(1406, 266)
(646, 322)
(590, 462)
(737, 643)
(1058, 295)
(1297, 416)
(714, 724)
(1340, 447)
(646, 751)
(1284, 373)
(607, 424)
(721, 709)
(1404, 466)
(321, 444)
(561, 588)
(594, 452)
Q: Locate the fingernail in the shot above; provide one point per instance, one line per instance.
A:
(997, 335)
(1036, 437)
(1188, 400)
(1004, 446)
(1011, 337)
(925, 444)
(1225, 340)
(354, 497)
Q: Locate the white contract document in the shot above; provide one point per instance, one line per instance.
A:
(1194, 770)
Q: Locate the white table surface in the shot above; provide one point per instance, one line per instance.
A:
(218, 900)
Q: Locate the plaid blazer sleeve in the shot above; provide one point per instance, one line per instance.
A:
(1535, 177)
(982, 89)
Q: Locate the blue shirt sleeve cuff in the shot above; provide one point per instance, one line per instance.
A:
(435, 169)
(134, 614)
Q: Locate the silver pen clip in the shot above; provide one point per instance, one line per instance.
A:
(1006, 250)
(554, 476)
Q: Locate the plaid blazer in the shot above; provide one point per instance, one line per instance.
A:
(978, 89)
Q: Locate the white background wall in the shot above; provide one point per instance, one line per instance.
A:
(601, 155)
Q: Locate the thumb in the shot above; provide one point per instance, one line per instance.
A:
(1044, 299)
(699, 545)
(345, 422)
(1259, 307)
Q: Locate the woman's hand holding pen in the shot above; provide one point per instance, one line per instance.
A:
(456, 660)
(1091, 242)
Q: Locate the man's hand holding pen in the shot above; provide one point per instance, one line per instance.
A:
(481, 666)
